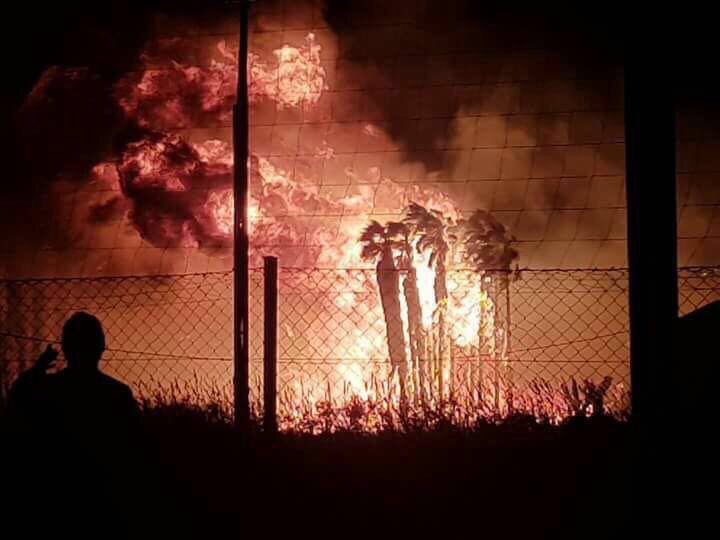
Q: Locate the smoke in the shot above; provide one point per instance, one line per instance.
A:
(149, 116)
(180, 191)
(422, 84)
(442, 60)
(61, 116)
(459, 88)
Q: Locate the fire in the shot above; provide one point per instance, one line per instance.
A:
(300, 77)
(158, 162)
(220, 207)
(181, 194)
(180, 95)
(426, 280)
(466, 312)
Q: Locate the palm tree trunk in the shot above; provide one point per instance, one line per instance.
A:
(412, 300)
(430, 359)
(441, 295)
(477, 371)
(388, 279)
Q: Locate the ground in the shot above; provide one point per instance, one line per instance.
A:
(189, 476)
(512, 480)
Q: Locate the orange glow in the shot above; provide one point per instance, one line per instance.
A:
(299, 79)
(220, 207)
(291, 216)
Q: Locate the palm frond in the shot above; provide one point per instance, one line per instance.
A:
(395, 229)
(370, 251)
(487, 243)
(372, 231)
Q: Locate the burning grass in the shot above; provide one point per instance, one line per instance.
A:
(541, 404)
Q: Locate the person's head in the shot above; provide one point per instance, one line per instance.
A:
(83, 341)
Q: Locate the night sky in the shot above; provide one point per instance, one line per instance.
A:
(481, 131)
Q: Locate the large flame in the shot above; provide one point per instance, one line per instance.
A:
(299, 79)
(180, 96)
(181, 194)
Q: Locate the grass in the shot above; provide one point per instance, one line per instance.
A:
(515, 477)
(432, 472)
(538, 403)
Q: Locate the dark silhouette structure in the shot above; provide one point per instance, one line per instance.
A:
(79, 398)
(696, 371)
(650, 149)
(74, 442)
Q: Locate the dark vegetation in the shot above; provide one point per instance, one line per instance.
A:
(191, 475)
(515, 478)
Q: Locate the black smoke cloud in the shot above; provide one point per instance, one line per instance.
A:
(60, 113)
(72, 121)
(470, 43)
(590, 44)
(61, 118)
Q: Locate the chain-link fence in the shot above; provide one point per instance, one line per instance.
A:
(698, 286)
(500, 339)
(161, 331)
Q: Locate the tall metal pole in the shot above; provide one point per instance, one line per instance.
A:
(651, 224)
(652, 258)
(271, 351)
(241, 360)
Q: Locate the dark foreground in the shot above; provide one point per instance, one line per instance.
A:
(190, 477)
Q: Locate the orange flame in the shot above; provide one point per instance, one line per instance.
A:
(172, 181)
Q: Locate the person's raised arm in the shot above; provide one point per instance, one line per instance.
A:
(24, 388)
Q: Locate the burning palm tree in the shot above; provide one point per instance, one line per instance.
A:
(488, 249)
(416, 330)
(487, 244)
(379, 243)
(435, 234)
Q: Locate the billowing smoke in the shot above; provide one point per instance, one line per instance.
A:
(183, 96)
(174, 174)
(432, 90)
(179, 192)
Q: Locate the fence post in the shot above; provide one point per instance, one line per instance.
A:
(4, 343)
(507, 344)
(270, 357)
(651, 226)
(497, 344)
(241, 278)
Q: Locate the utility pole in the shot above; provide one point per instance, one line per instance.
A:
(651, 222)
(241, 243)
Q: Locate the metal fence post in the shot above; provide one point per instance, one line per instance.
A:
(508, 343)
(651, 228)
(241, 281)
(270, 357)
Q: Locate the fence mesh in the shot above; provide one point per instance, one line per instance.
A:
(494, 338)
(159, 330)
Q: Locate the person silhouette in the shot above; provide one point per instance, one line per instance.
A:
(75, 442)
(79, 398)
